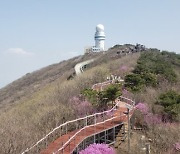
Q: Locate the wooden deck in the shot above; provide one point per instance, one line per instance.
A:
(89, 131)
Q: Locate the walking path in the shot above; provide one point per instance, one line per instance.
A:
(79, 67)
(67, 143)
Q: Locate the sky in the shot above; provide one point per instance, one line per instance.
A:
(37, 33)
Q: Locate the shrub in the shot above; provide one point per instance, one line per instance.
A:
(152, 68)
(152, 119)
(172, 57)
(143, 108)
(141, 111)
(100, 99)
(164, 138)
(177, 146)
(124, 68)
(112, 92)
(145, 117)
(81, 107)
(150, 79)
(91, 95)
(126, 93)
(98, 149)
(171, 103)
(134, 82)
(155, 63)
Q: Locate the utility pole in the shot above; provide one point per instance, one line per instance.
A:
(129, 127)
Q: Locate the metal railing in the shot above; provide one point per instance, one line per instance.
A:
(124, 99)
(77, 124)
(127, 100)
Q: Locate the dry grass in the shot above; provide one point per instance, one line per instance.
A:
(163, 135)
(35, 114)
(162, 139)
(40, 105)
(37, 80)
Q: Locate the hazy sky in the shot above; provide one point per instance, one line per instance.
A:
(36, 33)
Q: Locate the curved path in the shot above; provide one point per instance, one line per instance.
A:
(67, 137)
(79, 67)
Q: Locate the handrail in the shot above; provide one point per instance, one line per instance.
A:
(106, 82)
(80, 131)
(75, 120)
(101, 84)
(79, 67)
(98, 132)
(107, 120)
(133, 102)
(60, 149)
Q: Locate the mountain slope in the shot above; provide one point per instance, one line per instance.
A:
(34, 81)
(36, 103)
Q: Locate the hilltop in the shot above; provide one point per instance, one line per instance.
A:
(32, 82)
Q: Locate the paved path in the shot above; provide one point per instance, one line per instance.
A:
(79, 67)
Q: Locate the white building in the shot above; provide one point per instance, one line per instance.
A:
(99, 40)
(99, 37)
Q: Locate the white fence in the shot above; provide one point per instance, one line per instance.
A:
(77, 124)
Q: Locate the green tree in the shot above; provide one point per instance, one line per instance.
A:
(91, 95)
(152, 68)
(134, 82)
(171, 103)
(150, 79)
(157, 63)
(102, 101)
(112, 92)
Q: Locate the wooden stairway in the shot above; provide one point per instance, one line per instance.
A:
(89, 131)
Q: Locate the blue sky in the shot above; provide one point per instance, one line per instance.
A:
(37, 33)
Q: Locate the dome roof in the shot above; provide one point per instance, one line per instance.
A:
(99, 27)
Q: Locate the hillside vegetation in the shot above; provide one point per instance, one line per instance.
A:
(42, 100)
(35, 81)
(155, 85)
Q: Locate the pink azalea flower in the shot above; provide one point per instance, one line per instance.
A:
(98, 149)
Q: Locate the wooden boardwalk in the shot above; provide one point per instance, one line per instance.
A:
(86, 132)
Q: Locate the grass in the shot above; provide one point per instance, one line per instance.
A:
(163, 135)
(34, 115)
(27, 116)
(161, 139)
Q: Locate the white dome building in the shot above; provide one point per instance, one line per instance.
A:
(99, 40)
(99, 37)
(99, 27)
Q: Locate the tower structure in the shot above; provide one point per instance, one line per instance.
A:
(99, 37)
(99, 40)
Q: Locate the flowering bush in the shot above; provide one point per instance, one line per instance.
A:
(152, 119)
(124, 68)
(143, 108)
(98, 149)
(81, 107)
(149, 118)
(177, 146)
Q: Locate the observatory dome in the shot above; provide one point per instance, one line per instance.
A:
(99, 27)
